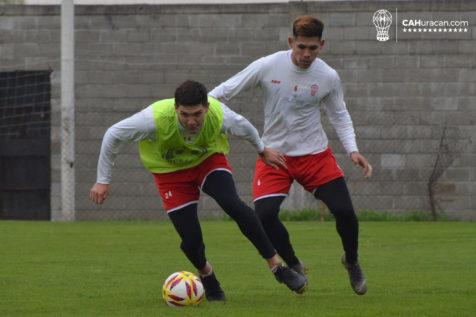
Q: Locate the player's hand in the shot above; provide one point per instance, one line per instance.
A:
(99, 193)
(359, 160)
(273, 158)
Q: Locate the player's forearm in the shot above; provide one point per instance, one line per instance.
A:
(227, 90)
(109, 149)
(235, 124)
(241, 81)
(345, 131)
(340, 118)
(248, 132)
(349, 142)
(243, 129)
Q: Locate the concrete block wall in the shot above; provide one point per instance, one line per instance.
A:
(401, 94)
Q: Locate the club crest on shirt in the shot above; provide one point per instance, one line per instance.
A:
(184, 155)
(314, 89)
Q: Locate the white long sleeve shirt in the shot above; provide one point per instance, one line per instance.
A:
(141, 126)
(292, 101)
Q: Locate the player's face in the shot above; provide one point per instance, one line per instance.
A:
(305, 50)
(192, 117)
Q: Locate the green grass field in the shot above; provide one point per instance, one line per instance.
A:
(117, 269)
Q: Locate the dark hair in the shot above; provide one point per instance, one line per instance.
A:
(307, 26)
(191, 93)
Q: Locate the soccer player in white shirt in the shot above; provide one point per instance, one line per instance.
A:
(296, 83)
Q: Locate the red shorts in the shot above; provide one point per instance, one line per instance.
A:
(311, 171)
(182, 188)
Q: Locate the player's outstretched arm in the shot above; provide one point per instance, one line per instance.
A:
(237, 125)
(138, 127)
(246, 78)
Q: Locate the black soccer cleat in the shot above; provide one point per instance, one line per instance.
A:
(213, 291)
(300, 268)
(356, 277)
(294, 281)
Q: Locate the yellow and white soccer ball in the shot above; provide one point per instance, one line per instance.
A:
(183, 289)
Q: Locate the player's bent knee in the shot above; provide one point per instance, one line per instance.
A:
(233, 206)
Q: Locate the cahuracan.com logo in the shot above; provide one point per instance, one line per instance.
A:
(434, 26)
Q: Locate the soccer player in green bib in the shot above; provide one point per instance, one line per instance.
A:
(183, 142)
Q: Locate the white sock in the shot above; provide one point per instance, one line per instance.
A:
(275, 268)
(209, 273)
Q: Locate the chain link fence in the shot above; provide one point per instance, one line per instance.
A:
(418, 163)
(412, 104)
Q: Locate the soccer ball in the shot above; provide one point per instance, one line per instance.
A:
(182, 289)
